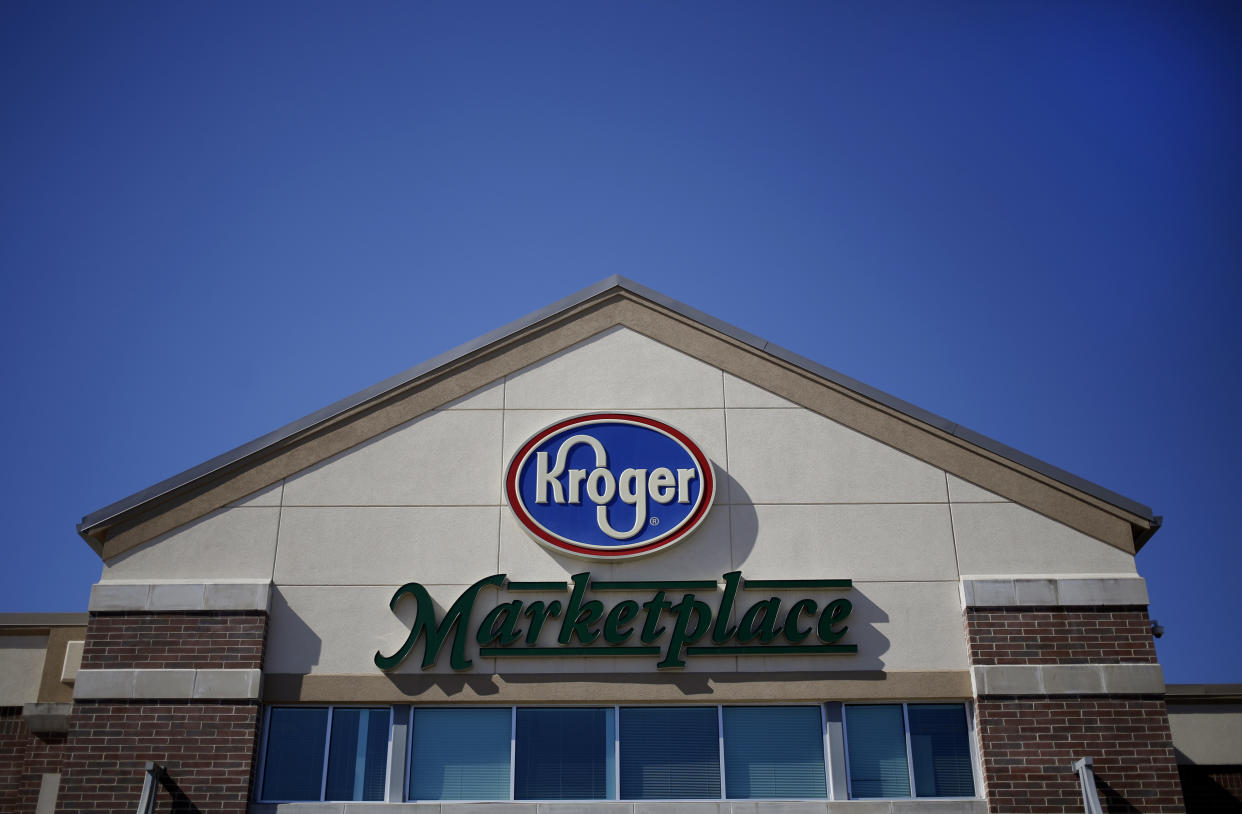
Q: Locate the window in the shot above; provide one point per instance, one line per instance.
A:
(463, 754)
(891, 748)
(564, 754)
(326, 753)
(744, 752)
(774, 752)
(670, 753)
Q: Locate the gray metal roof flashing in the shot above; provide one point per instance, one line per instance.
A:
(102, 517)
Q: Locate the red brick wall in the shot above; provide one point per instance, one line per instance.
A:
(24, 758)
(207, 749)
(1059, 636)
(1028, 743)
(220, 639)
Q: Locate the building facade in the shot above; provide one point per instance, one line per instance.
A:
(615, 557)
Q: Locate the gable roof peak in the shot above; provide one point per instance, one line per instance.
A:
(95, 527)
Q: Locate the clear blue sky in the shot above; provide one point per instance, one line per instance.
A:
(218, 217)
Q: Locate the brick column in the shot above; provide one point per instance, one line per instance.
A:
(1065, 669)
(170, 673)
(25, 757)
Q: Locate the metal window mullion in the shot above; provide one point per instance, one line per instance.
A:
(616, 749)
(409, 756)
(845, 740)
(724, 794)
(388, 756)
(512, 752)
(327, 748)
(399, 761)
(905, 718)
(823, 737)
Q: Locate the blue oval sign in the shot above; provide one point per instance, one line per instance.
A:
(610, 486)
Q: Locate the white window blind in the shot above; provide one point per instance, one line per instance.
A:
(774, 752)
(460, 754)
(670, 753)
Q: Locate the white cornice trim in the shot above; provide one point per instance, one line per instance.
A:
(153, 684)
(1067, 679)
(234, 595)
(1053, 591)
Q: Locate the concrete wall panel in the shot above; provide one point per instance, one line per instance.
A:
(448, 457)
(904, 542)
(229, 544)
(796, 456)
(898, 626)
(1005, 538)
(618, 369)
(705, 554)
(741, 393)
(338, 629)
(961, 491)
(376, 545)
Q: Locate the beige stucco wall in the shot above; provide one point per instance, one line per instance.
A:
(21, 669)
(799, 496)
(1207, 734)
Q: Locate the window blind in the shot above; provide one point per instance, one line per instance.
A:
(460, 754)
(293, 768)
(562, 754)
(670, 753)
(357, 754)
(774, 752)
(940, 748)
(876, 736)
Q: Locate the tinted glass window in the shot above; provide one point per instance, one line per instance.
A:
(460, 754)
(774, 752)
(670, 753)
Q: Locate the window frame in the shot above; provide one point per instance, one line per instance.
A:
(615, 711)
(823, 741)
(408, 774)
(834, 783)
(971, 742)
(265, 742)
(720, 753)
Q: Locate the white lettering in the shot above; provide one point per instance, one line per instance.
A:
(598, 497)
(634, 486)
(544, 479)
(684, 476)
(662, 485)
(576, 477)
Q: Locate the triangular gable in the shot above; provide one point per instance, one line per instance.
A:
(972, 458)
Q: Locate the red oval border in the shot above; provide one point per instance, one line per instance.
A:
(528, 522)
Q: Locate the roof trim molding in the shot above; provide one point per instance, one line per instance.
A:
(96, 527)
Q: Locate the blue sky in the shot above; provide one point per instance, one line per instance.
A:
(218, 217)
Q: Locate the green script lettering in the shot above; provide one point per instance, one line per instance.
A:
(457, 619)
(689, 621)
(835, 611)
(579, 615)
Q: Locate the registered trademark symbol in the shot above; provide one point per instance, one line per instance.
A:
(655, 521)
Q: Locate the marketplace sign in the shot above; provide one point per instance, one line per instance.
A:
(588, 627)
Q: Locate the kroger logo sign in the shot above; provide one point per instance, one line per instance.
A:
(610, 486)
